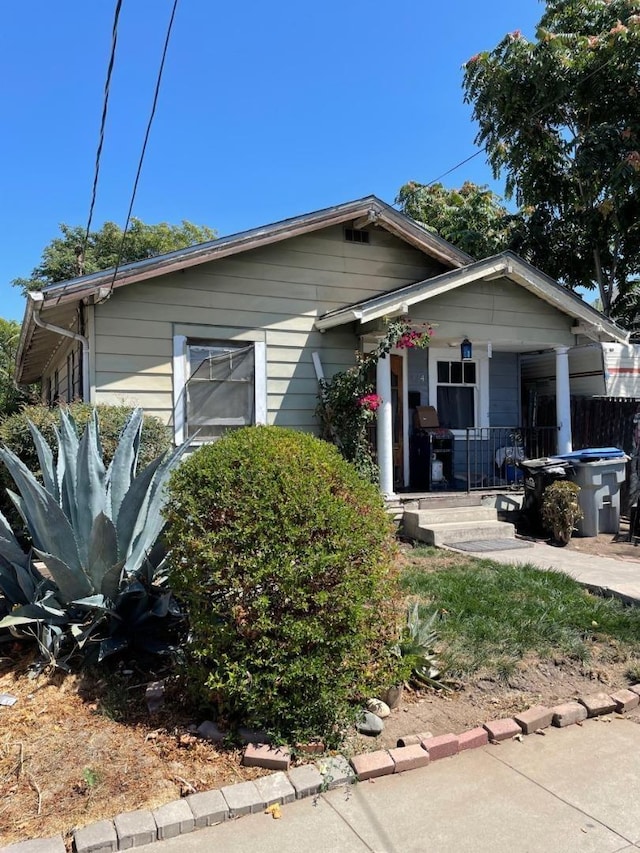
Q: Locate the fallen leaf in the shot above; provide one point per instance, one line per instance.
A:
(274, 811)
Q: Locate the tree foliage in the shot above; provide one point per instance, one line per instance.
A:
(11, 398)
(63, 257)
(560, 116)
(471, 217)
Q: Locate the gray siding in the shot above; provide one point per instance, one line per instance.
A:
(499, 311)
(504, 390)
(278, 290)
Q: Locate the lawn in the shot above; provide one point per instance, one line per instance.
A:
(493, 615)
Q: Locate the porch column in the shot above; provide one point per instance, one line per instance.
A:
(384, 426)
(563, 400)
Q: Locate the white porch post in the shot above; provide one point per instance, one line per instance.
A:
(563, 400)
(385, 426)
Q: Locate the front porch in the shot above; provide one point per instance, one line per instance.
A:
(453, 424)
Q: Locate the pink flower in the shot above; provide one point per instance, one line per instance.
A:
(370, 402)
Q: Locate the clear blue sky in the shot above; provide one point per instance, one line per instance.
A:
(267, 110)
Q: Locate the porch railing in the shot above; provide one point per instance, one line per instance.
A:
(491, 454)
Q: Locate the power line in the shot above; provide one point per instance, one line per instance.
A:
(103, 122)
(532, 116)
(144, 145)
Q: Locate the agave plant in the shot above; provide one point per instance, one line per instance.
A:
(416, 647)
(94, 529)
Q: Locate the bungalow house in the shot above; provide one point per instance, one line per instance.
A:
(236, 331)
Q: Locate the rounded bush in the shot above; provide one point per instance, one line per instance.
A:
(284, 558)
(15, 434)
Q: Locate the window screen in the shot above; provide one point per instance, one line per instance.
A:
(220, 393)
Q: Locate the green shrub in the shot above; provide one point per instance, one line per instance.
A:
(15, 434)
(283, 556)
(561, 509)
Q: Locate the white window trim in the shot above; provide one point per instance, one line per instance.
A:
(180, 376)
(481, 387)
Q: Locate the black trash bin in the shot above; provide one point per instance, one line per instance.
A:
(538, 474)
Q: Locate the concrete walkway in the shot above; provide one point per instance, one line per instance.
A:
(575, 789)
(612, 576)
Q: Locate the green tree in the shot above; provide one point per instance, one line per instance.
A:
(11, 398)
(560, 116)
(63, 258)
(471, 217)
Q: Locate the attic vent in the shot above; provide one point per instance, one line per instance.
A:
(355, 235)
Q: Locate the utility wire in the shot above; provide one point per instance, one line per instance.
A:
(103, 122)
(144, 147)
(532, 116)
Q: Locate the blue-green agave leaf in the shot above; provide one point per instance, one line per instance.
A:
(72, 583)
(112, 581)
(21, 584)
(132, 505)
(111, 646)
(81, 632)
(30, 613)
(46, 522)
(9, 545)
(45, 458)
(94, 602)
(67, 438)
(9, 586)
(122, 469)
(150, 521)
(102, 550)
(90, 487)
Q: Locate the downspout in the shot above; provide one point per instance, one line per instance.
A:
(38, 299)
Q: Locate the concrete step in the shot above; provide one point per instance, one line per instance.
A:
(449, 534)
(427, 517)
(450, 500)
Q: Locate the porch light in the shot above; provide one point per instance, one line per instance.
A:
(466, 350)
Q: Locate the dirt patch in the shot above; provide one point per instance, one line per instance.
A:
(536, 682)
(65, 761)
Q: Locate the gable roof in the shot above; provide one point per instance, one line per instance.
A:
(505, 265)
(370, 209)
(53, 299)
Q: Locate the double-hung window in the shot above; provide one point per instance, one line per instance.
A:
(218, 386)
(456, 394)
(458, 389)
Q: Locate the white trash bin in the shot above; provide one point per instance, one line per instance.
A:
(600, 480)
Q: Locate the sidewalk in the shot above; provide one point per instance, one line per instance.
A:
(612, 576)
(575, 789)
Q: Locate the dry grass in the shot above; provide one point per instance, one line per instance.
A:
(65, 761)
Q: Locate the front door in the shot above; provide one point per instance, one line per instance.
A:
(398, 421)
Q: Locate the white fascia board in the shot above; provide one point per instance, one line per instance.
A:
(566, 303)
(397, 304)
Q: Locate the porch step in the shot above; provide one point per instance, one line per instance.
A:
(440, 515)
(452, 500)
(456, 524)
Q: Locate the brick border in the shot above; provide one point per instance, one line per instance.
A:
(208, 808)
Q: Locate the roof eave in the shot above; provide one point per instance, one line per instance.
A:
(383, 214)
(507, 264)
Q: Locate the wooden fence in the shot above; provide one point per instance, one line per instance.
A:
(604, 422)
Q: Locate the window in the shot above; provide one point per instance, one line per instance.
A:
(218, 385)
(456, 394)
(356, 235)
